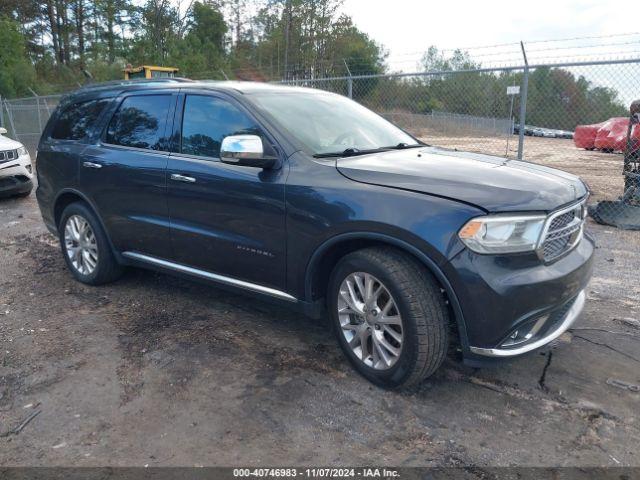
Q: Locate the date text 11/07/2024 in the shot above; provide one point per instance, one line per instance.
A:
(316, 473)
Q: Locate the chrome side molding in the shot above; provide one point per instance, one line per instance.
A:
(570, 317)
(210, 276)
(91, 165)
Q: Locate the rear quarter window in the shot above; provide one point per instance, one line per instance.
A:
(76, 120)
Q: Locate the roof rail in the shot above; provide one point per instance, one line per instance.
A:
(140, 81)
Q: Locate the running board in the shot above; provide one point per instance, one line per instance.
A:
(210, 276)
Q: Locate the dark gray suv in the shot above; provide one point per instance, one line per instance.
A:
(309, 198)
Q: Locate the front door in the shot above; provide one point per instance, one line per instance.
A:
(225, 219)
(125, 174)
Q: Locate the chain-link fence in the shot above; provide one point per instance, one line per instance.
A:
(529, 112)
(25, 118)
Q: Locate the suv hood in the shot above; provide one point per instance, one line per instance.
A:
(492, 183)
(8, 144)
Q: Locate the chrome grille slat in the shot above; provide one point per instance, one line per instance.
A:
(562, 220)
(563, 232)
(8, 155)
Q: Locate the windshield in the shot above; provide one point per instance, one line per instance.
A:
(331, 124)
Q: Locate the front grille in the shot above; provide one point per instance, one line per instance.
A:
(562, 220)
(563, 232)
(7, 155)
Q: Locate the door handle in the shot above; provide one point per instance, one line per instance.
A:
(182, 178)
(91, 165)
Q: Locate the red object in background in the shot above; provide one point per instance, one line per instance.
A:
(585, 135)
(612, 136)
(635, 137)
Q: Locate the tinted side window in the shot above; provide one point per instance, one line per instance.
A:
(207, 121)
(139, 122)
(75, 120)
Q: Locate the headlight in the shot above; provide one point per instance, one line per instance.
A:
(503, 233)
(22, 151)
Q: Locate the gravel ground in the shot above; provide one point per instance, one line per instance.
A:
(154, 370)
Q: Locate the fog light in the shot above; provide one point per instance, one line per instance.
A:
(515, 338)
(28, 167)
(525, 332)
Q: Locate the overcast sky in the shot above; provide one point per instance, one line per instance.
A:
(408, 27)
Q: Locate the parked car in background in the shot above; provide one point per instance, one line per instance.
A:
(309, 198)
(584, 136)
(565, 134)
(612, 135)
(542, 132)
(609, 136)
(15, 168)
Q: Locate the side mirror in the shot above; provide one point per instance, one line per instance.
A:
(245, 150)
(3, 131)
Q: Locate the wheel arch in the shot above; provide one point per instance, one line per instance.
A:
(67, 197)
(329, 253)
(64, 199)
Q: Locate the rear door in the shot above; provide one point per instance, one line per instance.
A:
(125, 173)
(225, 219)
(70, 131)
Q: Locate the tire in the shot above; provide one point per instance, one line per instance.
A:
(106, 268)
(424, 317)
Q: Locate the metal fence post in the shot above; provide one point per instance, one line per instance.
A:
(10, 116)
(1, 113)
(349, 81)
(38, 107)
(46, 105)
(523, 103)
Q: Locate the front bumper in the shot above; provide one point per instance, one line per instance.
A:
(514, 304)
(557, 329)
(15, 185)
(16, 176)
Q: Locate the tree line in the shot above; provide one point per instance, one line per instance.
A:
(557, 97)
(50, 46)
(53, 44)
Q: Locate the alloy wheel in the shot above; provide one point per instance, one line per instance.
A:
(370, 320)
(81, 245)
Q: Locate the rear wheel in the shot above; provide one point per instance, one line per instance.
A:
(85, 246)
(389, 315)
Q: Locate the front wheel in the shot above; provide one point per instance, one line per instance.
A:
(389, 315)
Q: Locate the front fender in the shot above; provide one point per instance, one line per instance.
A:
(322, 205)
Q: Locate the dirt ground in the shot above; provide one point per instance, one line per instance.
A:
(153, 370)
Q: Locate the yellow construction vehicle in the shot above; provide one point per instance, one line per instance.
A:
(148, 71)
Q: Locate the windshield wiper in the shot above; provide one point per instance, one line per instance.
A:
(349, 152)
(403, 145)
(353, 151)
